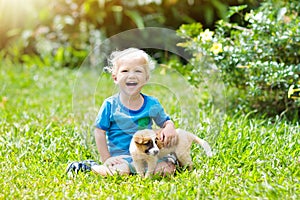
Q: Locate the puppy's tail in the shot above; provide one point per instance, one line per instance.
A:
(200, 141)
(204, 145)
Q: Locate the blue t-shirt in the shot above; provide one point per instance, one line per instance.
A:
(120, 123)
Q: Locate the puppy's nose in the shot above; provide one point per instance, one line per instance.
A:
(155, 152)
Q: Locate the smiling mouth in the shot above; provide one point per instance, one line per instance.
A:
(131, 84)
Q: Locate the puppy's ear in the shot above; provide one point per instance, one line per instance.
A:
(158, 140)
(159, 143)
(158, 134)
(139, 140)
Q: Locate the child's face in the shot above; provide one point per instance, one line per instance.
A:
(131, 75)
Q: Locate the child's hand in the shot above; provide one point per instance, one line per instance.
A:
(168, 134)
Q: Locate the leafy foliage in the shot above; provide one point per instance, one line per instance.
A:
(260, 58)
(63, 32)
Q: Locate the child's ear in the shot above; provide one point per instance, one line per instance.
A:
(114, 77)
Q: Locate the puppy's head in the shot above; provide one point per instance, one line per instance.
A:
(145, 141)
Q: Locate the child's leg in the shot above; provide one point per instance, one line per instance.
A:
(122, 169)
(101, 170)
(166, 165)
(165, 168)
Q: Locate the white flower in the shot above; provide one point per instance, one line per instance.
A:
(216, 48)
(206, 35)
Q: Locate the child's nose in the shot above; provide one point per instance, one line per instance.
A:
(131, 74)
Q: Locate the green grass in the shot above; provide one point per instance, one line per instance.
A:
(47, 121)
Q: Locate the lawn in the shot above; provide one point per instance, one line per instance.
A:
(46, 121)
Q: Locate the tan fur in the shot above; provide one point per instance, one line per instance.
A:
(159, 141)
(181, 149)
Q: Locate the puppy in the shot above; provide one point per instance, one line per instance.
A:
(146, 148)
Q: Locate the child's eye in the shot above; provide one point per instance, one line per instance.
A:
(138, 71)
(124, 71)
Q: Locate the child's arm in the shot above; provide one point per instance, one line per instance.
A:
(101, 144)
(102, 147)
(168, 133)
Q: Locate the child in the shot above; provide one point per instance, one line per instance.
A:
(123, 114)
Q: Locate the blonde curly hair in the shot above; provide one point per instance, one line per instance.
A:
(117, 55)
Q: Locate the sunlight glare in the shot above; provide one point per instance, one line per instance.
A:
(13, 12)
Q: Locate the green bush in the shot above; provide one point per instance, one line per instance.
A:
(260, 57)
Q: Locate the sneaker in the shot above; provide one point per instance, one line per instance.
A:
(83, 166)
